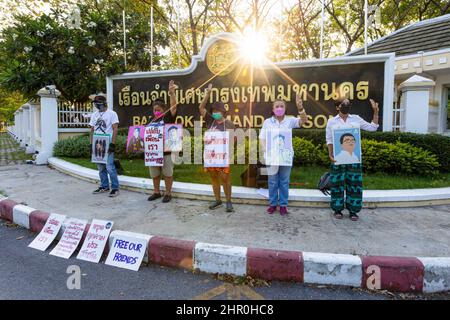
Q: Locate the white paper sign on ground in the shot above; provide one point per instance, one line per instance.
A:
(216, 149)
(154, 145)
(48, 232)
(70, 239)
(127, 252)
(96, 237)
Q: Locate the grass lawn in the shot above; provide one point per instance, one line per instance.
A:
(301, 177)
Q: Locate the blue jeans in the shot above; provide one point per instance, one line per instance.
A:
(108, 168)
(279, 186)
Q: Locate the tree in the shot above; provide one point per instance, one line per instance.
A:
(53, 49)
(9, 103)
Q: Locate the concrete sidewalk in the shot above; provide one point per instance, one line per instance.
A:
(394, 231)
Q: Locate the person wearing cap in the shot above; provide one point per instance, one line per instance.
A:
(279, 176)
(162, 114)
(105, 121)
(346, 179)
(216, 121)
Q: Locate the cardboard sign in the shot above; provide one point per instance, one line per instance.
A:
(48, 232)
(154, 145)
(135, 140)
(127, 252)
(100, 147)
(347, 145)
(70, 239)
(279, 150)
(216, 152)
(173, 137)
(95, 241)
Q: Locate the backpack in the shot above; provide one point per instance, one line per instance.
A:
(324, 184)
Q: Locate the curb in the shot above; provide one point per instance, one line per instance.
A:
(399, 274)
(244, 195)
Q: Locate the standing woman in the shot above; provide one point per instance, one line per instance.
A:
(161, 115)
(347, 177)
(279, 176)
(216, 121)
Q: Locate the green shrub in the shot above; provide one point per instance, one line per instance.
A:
(76, 147)
(398, 157)
(305, 152)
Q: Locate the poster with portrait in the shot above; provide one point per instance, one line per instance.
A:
(100, 147)
(173, 137)
(279, 147)
(347, 145)
(135, 140)
(216, 151)
(154, 145)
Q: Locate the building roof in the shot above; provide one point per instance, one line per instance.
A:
(428, 35)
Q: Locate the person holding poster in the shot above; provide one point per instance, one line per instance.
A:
(161, 115)
(278, 155)
(216, 122)
(346, 176)
(104, 121)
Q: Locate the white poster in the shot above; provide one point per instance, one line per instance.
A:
(96, 238)
(70, 239)
(48, 232)
(216, 152)
(127, 252)
(154, 145)
(279, 147)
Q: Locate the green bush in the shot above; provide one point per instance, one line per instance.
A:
(398, 157)
(305, 152)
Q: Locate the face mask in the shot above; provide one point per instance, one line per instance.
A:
(157, 114)
(100, 106)
(345, 108)
(279, 112)
(217, 115)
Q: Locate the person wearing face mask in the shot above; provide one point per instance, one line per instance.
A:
(216, 121)
(161, 115)
(104, 121)
(279, 176)
(347, 177)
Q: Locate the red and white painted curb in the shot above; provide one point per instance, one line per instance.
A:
(400, 274)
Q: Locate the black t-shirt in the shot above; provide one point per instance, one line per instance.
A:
(167, 118)
(214, 124)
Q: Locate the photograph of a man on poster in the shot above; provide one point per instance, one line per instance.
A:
(347, 146)
(173, 136)
(278, 149)
(135, 141)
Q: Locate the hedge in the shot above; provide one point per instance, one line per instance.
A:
(378, 156)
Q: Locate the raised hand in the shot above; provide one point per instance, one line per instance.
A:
(172, 87)
(374, 105)
(299, 102)
(208, 89)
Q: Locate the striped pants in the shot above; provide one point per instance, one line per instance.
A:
(348, 178)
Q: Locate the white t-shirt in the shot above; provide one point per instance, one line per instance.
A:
(103, 121)
(273, 124)
(346, 158)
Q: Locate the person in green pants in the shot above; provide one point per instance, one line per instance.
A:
(346, 179)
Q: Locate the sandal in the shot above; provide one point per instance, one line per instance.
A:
(354, 216)
(338, 215)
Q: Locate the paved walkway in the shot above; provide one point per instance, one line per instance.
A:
(396, 231)
(9, 151)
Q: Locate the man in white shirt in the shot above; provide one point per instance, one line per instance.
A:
(347, 177)
(104, 121)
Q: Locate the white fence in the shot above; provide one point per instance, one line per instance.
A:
(74, 114)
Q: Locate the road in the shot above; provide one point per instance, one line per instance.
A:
(26, 273)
